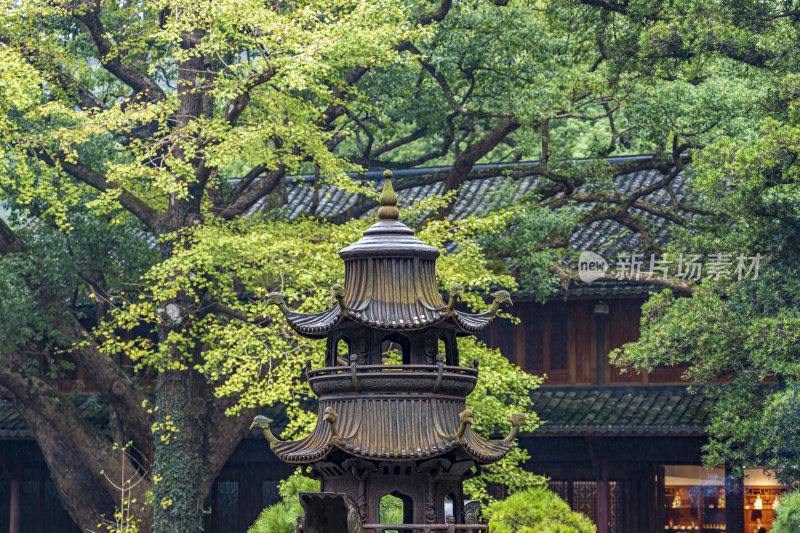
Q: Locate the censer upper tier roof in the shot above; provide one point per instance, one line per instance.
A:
(390, 282)
(390, 274)
(389, 238)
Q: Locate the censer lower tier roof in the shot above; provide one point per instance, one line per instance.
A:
(388, 428)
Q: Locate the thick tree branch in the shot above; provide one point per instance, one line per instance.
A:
(129, 402)
(388, 147)
(10, 242)
(137, 207)
(61, 434)
(246, 180)
(194, 102)
(610, 6)
(239, 204)
(545, 190)
(48, 66)
(436, 16)
(239, 103)
(467, 159)
(617, 199)
(448, 92)
(132, 73)
(146, 214)
(116, 386)
(567, 277)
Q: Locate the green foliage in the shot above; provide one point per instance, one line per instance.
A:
(740, 338)
(503, 389)
(537, 510)
(125, 125)
(521, 243)
(391, 510)
(787, 516)
(282, 517)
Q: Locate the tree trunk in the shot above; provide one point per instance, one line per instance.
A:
(178, 464)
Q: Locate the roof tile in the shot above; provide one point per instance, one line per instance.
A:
(649, 410)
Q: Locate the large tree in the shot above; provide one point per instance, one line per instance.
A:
(737, 335)
(145, 148)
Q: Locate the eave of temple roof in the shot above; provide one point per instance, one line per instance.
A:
(391, 428)
(621, 411)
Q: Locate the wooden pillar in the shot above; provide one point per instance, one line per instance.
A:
(15, 508)
(659, 518)
(600, 314)
(599, 457)
(639, 493)
(603, 500)
(734, 502)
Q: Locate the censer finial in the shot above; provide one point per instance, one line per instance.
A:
(388, 199)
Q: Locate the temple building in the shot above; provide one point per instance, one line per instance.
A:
(400, 429)
(623, 448)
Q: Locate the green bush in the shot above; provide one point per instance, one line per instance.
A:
(282, 517)
(391, 509)
(787, 516)
(536, 511)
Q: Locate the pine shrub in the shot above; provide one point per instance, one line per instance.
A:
(282, 517)
(536, 510)
(787, 515)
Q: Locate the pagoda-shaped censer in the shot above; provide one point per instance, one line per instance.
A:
(387, 428)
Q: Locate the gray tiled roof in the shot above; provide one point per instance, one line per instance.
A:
(567, 411)
(611, 239)
(91, 407)
(478, 196)
(620, 411)
(597, 289)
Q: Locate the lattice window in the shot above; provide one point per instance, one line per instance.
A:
(269, 493)
(227, 506)
(616, 519)
(560, 487)
(584, 498)
(558, 341)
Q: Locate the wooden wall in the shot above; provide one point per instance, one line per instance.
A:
(559, 339)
